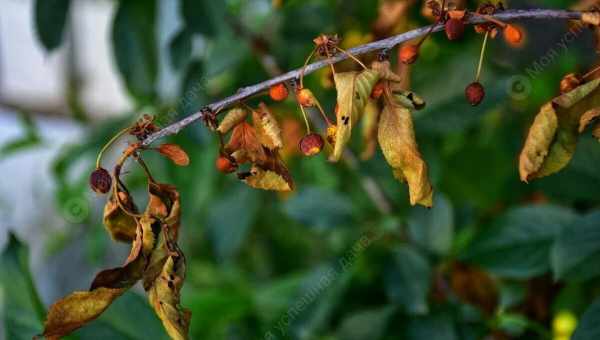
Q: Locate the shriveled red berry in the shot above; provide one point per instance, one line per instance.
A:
(408, 53)
(569, 82)
(475, 93)
(455, 29)
(225, 165)
(311, 144)
(278, 92)
(100, 181)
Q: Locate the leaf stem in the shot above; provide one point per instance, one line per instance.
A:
(481, 56)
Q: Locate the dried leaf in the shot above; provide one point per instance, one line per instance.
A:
(369, 129)
(596, 131)
(409, 100)
(175, 153)
(232, 118)
(243, 138)
(353, 91)
(587, 118)
(268, 180)
(164, 296)
(552, 139)
(77, 309)
(397, 141)
(120, 226)
(384, 69)
(267, 128)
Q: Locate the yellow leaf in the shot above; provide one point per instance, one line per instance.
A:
(120, 226)
(232, 118)
(409, 100)
(353, 91)
(397, 141)
(77, 309)
(175, 153)
(587, 118)
(540, 137)
(164, 296)
(267, 128)
(369, 129)
(552, 139)
(268, 180)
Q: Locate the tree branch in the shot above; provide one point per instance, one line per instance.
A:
(388, 43)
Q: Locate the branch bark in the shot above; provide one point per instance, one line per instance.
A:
(388, 43)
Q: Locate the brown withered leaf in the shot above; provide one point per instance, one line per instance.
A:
(175, 153)
(552, 138)
(353, 91)
(396, 138)
(232, 118)
(596, 131)
(267, 128)
(164, 296)
(384, 69)
(369, 129)
(77, 309)
(244, 139)
(120, 226)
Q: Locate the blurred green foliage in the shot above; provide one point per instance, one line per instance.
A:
(494, 257)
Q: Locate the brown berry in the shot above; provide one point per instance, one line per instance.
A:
(225, 165)
(569, 83)
(278, 92)
(311, 144)
(408, 53)
(475, 93)
(100, 181)
(305, 97)
(513, 35)
(455, 29)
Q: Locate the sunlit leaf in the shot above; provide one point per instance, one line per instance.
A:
(175, 153)
(232, 118)
(396, 138)
(268, 180)
(267, 128)
(244, 138)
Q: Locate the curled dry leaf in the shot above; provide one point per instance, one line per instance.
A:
(259, 178)
(369, 129)
(408, 99)
(384, 69)
(77, 309)
(245, 142)
(267, 128)
(552, 138)
(120, 226)
(587, 118)
(175, 153)
(353, 91)
(397, 141)
(232, 118)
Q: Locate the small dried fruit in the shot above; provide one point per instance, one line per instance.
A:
(475, 93)
(305, 97)
(569, 82)
(100, 181)
(513, 35)
(225, 165)
(311, 144)
(409, 53)
(455, 29)
(278, 92)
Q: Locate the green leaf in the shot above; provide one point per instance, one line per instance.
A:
(135, 48)
(365, 325)
(407, 280)
(576, 251)
(320, 208)
(230, 219)
(23, 311)
(518, 244)
(589, 328)
(203, 16)
(433, 228)
(50, 19)
(180, 49)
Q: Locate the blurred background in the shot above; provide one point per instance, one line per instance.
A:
(342, 257)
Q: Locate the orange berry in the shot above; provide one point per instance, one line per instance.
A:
(278, 92)
(377, 90)
(569, 82)
(225, 165)
(305, 97)
(475, 93)
(311, 144)
(513, 35)
(409, 53)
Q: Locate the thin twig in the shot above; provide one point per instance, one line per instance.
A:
(245, 92)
